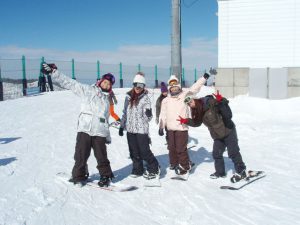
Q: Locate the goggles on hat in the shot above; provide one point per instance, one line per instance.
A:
(188, 99)
(173, 82)
(139, 85)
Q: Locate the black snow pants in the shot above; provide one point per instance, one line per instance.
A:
(84, 143)
(231, 142)
(139, 150)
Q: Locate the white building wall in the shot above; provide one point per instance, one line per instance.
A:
(259, 33)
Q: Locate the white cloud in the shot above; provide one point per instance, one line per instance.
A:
(199, 53)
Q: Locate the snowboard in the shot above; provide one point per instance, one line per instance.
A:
(251, 177)
(117, 187)
(152, 182)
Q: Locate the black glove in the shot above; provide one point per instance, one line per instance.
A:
(148, 112)
(107, 142)
(206, 76)
(161, 132)
(121, 133)
(48, 68)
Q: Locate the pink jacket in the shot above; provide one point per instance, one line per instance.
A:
(173, 107)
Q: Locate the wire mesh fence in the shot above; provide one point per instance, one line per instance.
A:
(17, 75)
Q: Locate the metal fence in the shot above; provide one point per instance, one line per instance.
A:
(25, 73)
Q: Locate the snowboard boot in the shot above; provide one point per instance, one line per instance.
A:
(238, 176)
(172, 167)
(151, 175)
(179, 170)
(104, 181)
(217, 175)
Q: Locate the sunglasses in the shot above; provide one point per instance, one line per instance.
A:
(139, 85)
(188, 100)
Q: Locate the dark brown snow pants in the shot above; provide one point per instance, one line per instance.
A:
(177, 145)
(84, 143)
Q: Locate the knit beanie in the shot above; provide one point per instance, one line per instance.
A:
(163, 87)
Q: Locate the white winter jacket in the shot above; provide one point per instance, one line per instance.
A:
(94, 114)
(134, 118)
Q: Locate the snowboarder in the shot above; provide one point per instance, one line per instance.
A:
(163, 95)
(93, 129)
(137, 114)
(216, 114)
(171, 107)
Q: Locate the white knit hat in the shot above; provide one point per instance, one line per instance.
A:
(139, 78)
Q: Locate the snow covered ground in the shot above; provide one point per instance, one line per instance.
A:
(37, 139)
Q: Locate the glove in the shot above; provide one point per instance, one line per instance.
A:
(161, 132)
(107, 142)
(206, 76)
(148, 113)
(121, 133)
(218, 96)
(48, 68)
(182, 120)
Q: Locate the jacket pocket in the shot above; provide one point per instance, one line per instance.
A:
(85, 122)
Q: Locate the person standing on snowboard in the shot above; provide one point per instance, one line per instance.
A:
(137, 114)
(216, 114)
(171, 107)
(93, 128)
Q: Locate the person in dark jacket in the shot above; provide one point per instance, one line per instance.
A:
(216, 114)
(163, 95)
(137, 114)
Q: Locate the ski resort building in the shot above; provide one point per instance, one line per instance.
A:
(259, 47)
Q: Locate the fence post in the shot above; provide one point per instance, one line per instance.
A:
(195, 75)
(1, 86)
(121, 76)
(182, 78)
(98, 70)
(24, 80)
(156, 80)
(73, 70)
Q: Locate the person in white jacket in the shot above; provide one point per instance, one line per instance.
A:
(93, 128)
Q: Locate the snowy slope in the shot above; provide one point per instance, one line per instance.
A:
(37, 139)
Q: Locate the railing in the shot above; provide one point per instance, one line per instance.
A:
(16, 74)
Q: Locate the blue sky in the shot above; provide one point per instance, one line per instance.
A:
(109, 30)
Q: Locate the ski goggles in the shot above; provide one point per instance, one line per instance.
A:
(139, 85)
(188, 100)
(173, 83)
